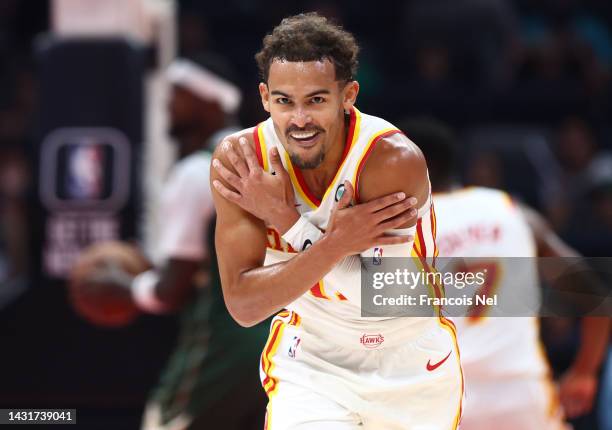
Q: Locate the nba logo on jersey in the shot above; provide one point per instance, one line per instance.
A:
(293, 348)
(377, 257)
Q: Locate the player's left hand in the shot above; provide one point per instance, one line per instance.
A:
(577, 391)
(267, 196)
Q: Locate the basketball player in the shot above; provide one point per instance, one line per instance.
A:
(508, 382)
(324, 366)
(211, 378)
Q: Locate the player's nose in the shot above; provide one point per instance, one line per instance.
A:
(301, 117)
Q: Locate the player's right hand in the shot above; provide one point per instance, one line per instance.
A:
(354, 229)
(267, 196)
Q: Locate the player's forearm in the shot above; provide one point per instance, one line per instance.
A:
(594, 338)
(173, 296)
(256, 294)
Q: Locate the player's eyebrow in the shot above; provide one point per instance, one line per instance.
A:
(311, 94)
(279, 93)
(314, 93)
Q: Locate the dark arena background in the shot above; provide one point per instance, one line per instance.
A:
(526, 84)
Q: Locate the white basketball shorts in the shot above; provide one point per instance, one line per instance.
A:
(320, 377)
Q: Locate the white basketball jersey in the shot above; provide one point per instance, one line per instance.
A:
(338, 294)
(487, 224)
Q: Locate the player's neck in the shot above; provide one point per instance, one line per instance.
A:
(319, 178)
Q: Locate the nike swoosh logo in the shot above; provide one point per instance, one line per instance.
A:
(432, 367)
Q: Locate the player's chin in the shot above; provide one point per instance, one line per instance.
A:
(307, 158)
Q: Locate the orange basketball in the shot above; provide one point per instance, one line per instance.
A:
(94, 294)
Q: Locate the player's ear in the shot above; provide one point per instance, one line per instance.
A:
(265, 96)
(349, 94)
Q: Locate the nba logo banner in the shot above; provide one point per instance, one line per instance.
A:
(85, 172)
(377, 258)
(85, 169)
(84, 186)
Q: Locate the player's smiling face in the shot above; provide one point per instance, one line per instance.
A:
(307, 105)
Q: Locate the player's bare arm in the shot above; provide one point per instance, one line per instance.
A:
(395, 165)
(578, 385)
(253, 292)
(549, 244)
(175, 285)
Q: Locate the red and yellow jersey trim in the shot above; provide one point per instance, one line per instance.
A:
(261, 149)
(434, 231)
(318, 291)
(419, 247)
(340, 296)
(366, 154)
(452, 330)
(420, 256)
(270, 383)
(295, 173)
(282, 319)
(435, 290)
(301, 189)
(276, 333)
(276, 242)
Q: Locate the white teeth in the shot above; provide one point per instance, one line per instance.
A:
(303, 135)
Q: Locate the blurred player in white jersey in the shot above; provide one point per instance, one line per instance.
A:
(210, 380)
(325, 366)
(508, 382)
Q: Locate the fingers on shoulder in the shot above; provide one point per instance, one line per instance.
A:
(232, 143)
(230, 148)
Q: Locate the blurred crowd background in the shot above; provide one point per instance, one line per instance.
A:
(527, 85)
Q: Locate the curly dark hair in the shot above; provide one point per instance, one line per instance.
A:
(310, 37)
